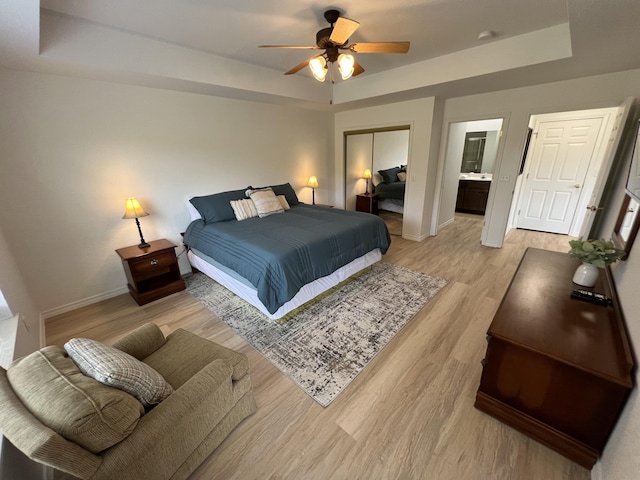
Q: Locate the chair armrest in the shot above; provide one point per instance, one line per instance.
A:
(175, 427)
(142, 342)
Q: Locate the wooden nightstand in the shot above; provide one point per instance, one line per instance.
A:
(367, 202)
(152, 272)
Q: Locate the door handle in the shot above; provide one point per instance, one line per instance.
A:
(577, 185)
(593, 208)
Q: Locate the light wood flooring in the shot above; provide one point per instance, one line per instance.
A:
(408, 415)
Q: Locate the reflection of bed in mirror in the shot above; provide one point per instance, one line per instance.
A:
(390, 185)
(376, 151)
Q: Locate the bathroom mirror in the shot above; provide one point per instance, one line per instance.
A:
(633, 180)
(628, 223)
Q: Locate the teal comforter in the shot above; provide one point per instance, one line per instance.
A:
(280, 253)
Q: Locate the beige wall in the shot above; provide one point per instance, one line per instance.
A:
(74, 149)
(18, 297)
(516, 106)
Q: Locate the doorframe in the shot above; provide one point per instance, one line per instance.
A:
(607, 114)
(442, 156)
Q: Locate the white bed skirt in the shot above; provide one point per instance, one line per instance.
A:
(306, 293)
(391, 205)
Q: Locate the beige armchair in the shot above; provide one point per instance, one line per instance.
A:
(212, 395)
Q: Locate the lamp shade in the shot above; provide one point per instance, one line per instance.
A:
(366, 174)
(318, 66)
(346, 64)
(313, 182)
(133, 209)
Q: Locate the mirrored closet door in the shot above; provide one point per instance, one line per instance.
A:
(384, 153)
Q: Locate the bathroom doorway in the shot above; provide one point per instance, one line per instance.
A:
(469, 164)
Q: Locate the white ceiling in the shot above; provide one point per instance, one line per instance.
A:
(210, 46)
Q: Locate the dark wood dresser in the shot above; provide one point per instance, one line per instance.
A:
(556, 368)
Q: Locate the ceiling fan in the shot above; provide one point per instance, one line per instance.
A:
(335, 38)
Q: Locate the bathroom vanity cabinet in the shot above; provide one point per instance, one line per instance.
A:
(472, 196)
(556, 368)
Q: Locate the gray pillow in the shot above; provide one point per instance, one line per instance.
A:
(390, 175)
(118, 369)
(217, 207)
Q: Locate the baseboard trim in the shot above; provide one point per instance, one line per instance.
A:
(415, 238)
(448, 222)
(52, 312)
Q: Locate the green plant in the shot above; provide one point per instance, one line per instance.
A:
(600, 253)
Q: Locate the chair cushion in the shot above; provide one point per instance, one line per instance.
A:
(118, 369)
(185, 353)
(52, 387)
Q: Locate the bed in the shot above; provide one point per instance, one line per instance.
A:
(280, 260)
(391, 189)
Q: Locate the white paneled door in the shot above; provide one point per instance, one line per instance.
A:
(556, 172)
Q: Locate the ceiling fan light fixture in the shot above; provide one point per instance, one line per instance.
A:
(346, 65)
(318, 66)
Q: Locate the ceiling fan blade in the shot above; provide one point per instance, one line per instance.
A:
(357, 69)
(299, 67)
(342, 30)
(380, 47)
(300, 47)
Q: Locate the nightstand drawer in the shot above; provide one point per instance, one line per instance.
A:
(152, 263)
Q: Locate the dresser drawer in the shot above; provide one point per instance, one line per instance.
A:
(152, 263)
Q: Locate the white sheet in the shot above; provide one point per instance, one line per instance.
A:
(391, 205)
(306, 293)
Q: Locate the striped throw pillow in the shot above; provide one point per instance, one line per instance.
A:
(118, 369)
(265, 201)
(244, 209)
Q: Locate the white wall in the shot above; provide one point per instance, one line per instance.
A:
(74, 149)
(517, 105)
(18, 298)
(620, 460)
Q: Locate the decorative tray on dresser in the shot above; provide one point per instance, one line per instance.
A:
(557, 368)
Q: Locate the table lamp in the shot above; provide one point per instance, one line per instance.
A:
(313, 183)
(367, 176)
(133, 209)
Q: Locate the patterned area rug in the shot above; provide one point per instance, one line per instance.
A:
(324, 346)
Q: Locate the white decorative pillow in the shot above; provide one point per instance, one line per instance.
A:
(244, 209)
(402, 176)
(283, 202)
(265, 201)
(118, 369)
